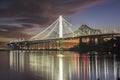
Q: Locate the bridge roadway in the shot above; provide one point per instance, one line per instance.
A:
(92, 36)
(58, 42)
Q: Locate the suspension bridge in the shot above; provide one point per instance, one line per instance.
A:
(62, 35)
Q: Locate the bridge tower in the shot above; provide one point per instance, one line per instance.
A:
(60, 26)
(60, 32)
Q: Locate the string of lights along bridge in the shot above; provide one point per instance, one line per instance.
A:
(61, 34)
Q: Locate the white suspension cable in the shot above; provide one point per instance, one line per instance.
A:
(69, 27)
(51, 30)
(44, 30)
(70, 24)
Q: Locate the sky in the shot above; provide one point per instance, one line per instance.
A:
(25, 18)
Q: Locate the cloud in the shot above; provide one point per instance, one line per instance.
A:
(25, 31)
(5, 30)
(18, 16)
(43, 12)
(4, 5)
(14, 32)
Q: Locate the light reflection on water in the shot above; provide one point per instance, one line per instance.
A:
(56, 65)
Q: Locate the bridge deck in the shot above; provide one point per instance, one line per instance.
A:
(47, 40)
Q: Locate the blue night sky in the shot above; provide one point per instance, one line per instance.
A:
(24, 18)
(101, 16)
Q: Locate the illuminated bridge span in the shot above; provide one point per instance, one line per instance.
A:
(61, 28)
(62, 35)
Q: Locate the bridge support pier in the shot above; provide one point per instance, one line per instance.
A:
(60, 45)
(100, 40)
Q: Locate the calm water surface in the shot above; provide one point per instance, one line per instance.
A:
(58, 65)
